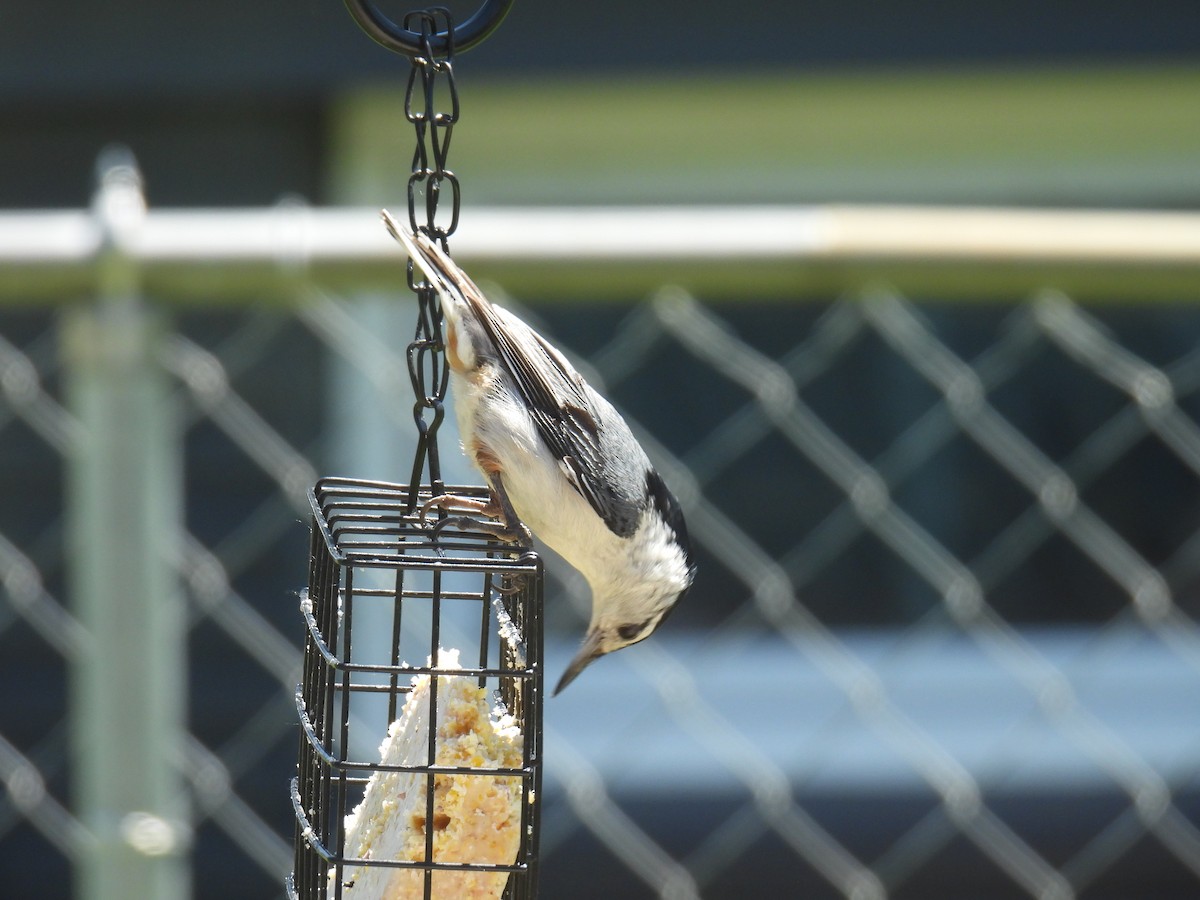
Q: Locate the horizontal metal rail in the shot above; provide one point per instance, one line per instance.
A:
(212, 254)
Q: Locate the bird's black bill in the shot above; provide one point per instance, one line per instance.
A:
(588, 652)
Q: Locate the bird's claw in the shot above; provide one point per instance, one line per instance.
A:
(485, 520)
(458, 503)
(510, 585)
(499, 530)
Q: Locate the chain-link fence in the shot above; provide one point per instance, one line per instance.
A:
(943, 640)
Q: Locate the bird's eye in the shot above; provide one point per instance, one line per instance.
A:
(629, 632)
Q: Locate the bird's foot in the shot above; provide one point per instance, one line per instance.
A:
(458, 503)
(486, 518)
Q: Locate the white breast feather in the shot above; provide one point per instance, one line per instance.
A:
(543, 490)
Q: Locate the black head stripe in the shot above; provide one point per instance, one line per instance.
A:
(668, 507)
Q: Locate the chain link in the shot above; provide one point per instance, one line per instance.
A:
(431, 78)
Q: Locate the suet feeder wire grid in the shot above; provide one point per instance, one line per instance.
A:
(390, 590)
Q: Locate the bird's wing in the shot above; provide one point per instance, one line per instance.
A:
(566, 411)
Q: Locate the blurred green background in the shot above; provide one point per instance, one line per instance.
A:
(1044, 135)
(1068, 103)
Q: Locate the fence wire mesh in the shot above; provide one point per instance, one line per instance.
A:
(943, 642)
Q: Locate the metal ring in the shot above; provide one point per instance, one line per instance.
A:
(400, 40)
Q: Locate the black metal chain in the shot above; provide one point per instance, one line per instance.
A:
(430, 79)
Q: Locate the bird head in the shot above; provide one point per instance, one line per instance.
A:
(630, 602)
(609, 633)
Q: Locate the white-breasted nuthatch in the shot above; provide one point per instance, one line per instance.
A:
(559, 459)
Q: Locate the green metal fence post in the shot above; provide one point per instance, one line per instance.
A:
(124, 513)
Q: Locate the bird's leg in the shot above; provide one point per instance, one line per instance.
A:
(505, 524)
(520, 533)
(510, 584)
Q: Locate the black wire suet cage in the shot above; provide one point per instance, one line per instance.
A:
(376, 567)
